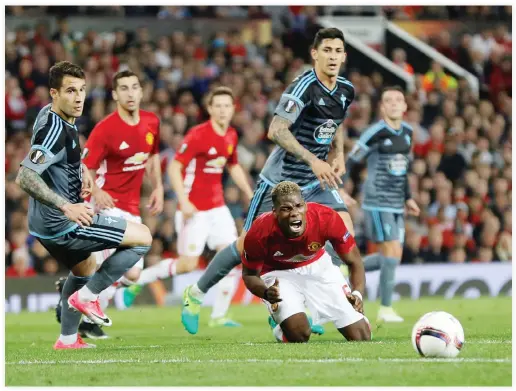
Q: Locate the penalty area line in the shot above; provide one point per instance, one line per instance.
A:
(276, 361)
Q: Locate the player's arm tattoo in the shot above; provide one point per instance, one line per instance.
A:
(281, 135)
(32, 183)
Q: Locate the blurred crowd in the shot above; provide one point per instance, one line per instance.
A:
(460, 174)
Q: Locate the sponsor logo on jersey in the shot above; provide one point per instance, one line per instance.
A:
(215, 166)
(123, 146)
(398, 165)
(290, 106)
(74, 144)
(299, 258)
(324, 133)
(321, 102)
(387, 142)
(314, 246)
(278, 254)
(183, 148)
(138, 161)
(149, 137)
(37, 156)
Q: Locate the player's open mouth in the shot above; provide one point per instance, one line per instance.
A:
(295, 225)
(333, 66)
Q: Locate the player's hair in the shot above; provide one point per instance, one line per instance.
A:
(222, 90)
(284, 188)
(391, 88)
(327, 33)
(121, 75)
(61, 69)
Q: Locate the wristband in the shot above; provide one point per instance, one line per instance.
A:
(357, 294)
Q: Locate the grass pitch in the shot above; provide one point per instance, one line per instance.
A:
(149, 347)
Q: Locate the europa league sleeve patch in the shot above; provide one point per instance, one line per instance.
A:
(37, 157)
(290, 106)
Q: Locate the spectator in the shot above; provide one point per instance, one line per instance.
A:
(462, 169)
(452, 162)
(437, 79)
(399, 57)
(444, 47)
(434, 251)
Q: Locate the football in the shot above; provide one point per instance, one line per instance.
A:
(438, 334)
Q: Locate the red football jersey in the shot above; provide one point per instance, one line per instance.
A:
(204, 155)
(266, 248)
(119, 153)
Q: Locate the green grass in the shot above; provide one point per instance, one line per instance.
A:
(150, 348)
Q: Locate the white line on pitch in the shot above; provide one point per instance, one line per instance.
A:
(277, 361)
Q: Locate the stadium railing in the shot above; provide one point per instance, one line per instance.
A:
(420, 55)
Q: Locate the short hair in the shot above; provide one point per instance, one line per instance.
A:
(327, 33)
(282, 189)
(217, 91)
(61, 69)
(121, 75)
(392, 88)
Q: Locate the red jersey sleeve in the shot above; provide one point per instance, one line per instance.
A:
(95, 149)
(253, 255)
(189, 148)
(233, 158)
(337, 233)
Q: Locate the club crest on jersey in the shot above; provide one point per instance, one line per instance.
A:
(230, 148)
(149, 137)
(314, 246)
(324, 133)
(37, 156)
(290, 106)
(344, 101)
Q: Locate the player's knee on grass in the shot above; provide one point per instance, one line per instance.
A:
(85, 268)
(358, 331)
(392, 249)
(186, 264)
(296, 328)
(137, 235)
(345, 216)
